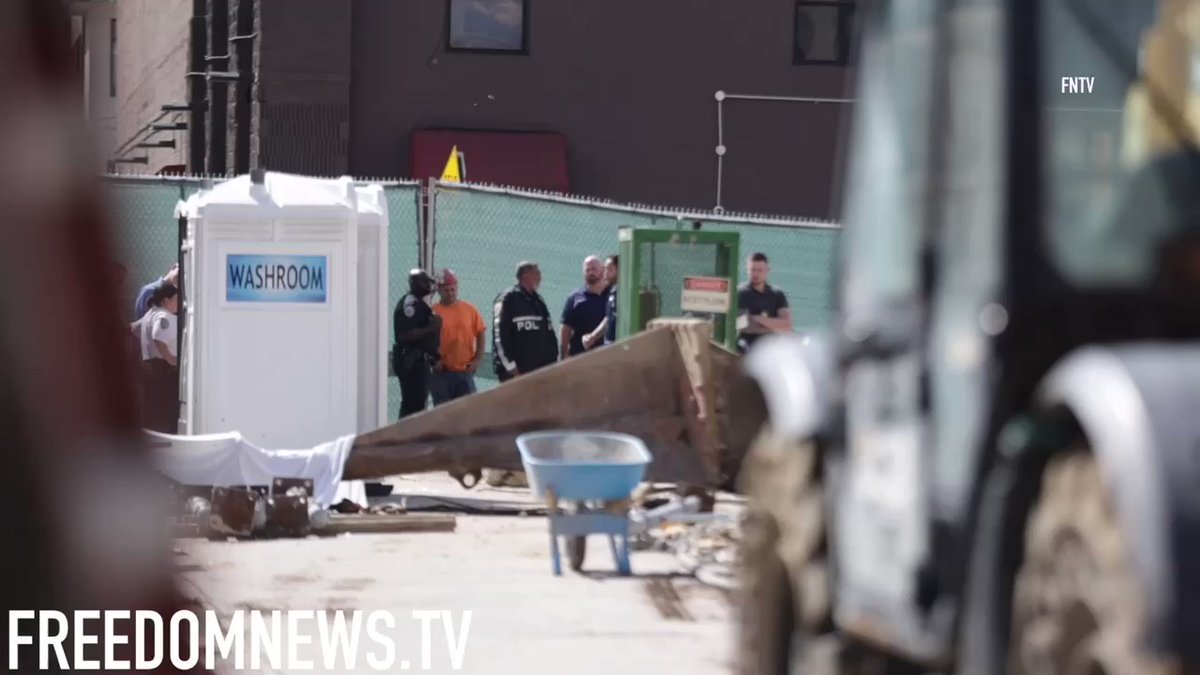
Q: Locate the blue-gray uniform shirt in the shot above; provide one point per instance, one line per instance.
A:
(142, 305)
(610, 313)
(583, 312)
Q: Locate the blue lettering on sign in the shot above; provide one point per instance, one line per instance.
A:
(276, 278)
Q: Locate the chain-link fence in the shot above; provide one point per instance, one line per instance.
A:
(147, 234)
(483, 232)
(145, 227)
(405, 243)
(801, 259)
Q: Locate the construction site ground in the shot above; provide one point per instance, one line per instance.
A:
(524, 619)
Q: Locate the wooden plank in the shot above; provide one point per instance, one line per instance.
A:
(410, 522)
(662, 435)
(741, 411)
(635, 376)
(663, 385)
(696, 386)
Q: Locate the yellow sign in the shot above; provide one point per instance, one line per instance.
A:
(452, 172)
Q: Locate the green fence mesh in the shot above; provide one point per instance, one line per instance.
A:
(663, 267)
(404, 253)
(147, 235)
(802, 261)
(146, 231)
(482, 233)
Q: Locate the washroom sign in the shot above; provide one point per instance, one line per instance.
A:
(709, 295)
(276, 278)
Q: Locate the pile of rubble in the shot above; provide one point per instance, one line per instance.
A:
(286, 509)
(706, 544)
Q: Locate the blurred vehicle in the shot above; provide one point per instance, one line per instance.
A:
(990, 463)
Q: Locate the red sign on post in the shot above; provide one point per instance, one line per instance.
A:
(709, 295)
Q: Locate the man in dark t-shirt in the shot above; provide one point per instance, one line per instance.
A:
(606, 332)
(762, 308)
(584, 309)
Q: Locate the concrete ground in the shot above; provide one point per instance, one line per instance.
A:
(523, 619)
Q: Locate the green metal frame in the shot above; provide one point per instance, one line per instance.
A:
(630, 318)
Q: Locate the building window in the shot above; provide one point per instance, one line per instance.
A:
(112, 58)
(824, 32)
(492, 26)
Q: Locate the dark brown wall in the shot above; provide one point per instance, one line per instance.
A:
(152, 61)
(302, 93)
(629, 82)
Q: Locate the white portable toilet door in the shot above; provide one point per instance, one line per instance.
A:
(280, 359)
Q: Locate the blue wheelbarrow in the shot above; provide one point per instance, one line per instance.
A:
(587, 479)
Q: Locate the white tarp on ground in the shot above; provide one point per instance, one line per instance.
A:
(223, 460)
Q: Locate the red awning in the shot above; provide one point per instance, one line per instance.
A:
(518, 159)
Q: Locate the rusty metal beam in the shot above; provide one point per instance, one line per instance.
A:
(666, 385)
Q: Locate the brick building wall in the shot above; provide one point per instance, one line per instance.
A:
(152, 61)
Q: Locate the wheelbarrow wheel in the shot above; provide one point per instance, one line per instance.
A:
(576, 550)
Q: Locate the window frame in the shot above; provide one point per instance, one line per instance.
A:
(1103, 261)
(112, 58)
(79, 45)
(449, 35)
(863, 284)
(846, 27)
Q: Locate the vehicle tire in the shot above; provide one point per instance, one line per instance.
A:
(785, 587)
(767, 618)
(1076, 606)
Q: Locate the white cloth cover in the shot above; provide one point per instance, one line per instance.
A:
(228, 459)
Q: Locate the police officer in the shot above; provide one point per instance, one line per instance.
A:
(418, 330)
(522, 336)
(160, 360)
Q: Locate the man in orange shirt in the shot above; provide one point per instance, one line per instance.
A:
(461, 350)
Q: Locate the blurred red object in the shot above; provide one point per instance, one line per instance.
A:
(80, 499)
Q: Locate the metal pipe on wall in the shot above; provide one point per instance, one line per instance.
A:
(197, 90)
(243, 42)
(721, 97)
(218, 89)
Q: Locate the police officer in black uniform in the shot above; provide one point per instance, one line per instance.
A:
(522, 336)
(418, 332)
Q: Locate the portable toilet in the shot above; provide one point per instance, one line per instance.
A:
(285, 293)
(374, 314)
